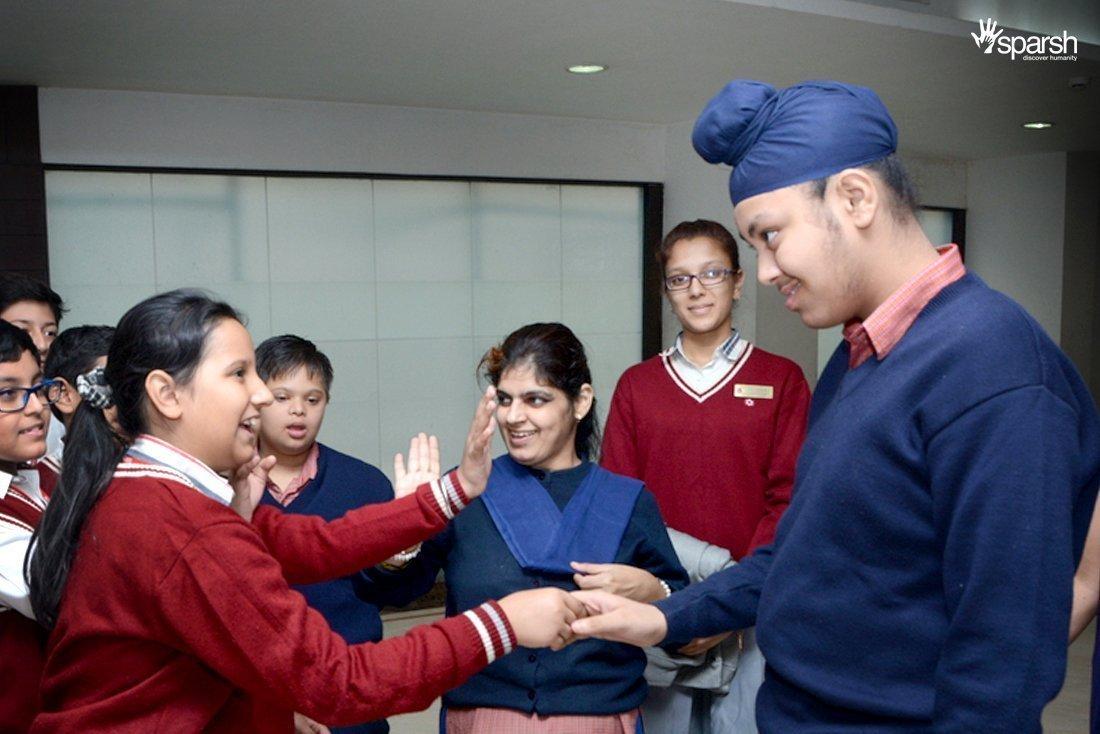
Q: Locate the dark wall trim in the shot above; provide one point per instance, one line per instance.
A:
(23, 244)
(652, 232)
(282, 173)
(958, 226)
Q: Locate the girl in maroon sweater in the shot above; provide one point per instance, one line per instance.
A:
(713, 426)
(169, 612)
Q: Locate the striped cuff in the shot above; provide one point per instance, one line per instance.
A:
(450, 498)
(493, 628)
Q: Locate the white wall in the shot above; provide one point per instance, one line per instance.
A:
(1015, 230)
(153, 129)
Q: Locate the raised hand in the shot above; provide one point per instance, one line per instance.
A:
(249, 482)
(619, 619)
(473, 471)
(618, 578)
(422, 466)
(542, 617)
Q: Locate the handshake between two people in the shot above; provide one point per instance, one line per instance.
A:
(552, 617)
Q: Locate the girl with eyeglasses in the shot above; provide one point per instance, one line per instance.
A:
(713, 426)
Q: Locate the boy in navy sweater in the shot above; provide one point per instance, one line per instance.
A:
(921, 579)
(309, 478)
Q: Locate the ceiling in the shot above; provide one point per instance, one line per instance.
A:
(665, 58)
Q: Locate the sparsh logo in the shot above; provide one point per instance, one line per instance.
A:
(1030, 48)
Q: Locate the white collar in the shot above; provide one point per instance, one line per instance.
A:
(202, 477)
(26, 479)
(730, 349)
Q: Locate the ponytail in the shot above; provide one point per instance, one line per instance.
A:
(92, 451)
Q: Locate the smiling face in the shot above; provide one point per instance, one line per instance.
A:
(538, 422)
(23, 434)
(289, 426)
(702, 310)
(219, 409)
(804, 252)
(35, 318)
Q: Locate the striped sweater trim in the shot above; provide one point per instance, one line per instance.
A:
(701, 397)
(448, 496)
(493, 628)
(15, 523)
(26, 498)
(53, 463)
(130, 469)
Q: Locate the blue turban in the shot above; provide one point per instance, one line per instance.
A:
(775, 139)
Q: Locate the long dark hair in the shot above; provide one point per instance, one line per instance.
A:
(558, 358)
(166, 332)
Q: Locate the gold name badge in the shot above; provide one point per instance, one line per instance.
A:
(765, 392)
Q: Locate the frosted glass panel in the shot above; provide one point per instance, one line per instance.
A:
(209, 229)
(330, 217)
(422, 230)
(100, 228)
(516, 232)
(403, 284)
(601, 230)
(936, 225)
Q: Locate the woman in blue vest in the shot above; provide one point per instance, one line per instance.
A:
(546, 507)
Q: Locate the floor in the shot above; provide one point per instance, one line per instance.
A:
(1067, 714)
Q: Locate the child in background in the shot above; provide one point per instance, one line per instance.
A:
(77, 351)
(36, 309)
(309, 478)
(24, 417)
(713, 426)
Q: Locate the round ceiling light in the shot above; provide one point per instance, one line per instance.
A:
(587, 69)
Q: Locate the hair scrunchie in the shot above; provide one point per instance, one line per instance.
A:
(94, 389)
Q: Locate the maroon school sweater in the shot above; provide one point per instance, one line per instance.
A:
(720, 465)
(21, 640)
(178, 617)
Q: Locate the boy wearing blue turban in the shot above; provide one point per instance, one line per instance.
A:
(921, 578)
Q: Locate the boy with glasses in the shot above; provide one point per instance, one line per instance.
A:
(24, 490)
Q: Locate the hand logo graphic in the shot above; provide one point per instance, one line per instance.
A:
(989, 33)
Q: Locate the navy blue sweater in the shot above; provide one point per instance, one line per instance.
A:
(588, 677)
(351, 604)
(921, 579)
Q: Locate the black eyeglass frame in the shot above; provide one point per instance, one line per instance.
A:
(726, 273)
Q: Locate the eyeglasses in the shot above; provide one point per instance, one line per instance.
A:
(15, 399)
(707, 279)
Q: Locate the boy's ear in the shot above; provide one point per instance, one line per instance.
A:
(163, 394)
(69, 399)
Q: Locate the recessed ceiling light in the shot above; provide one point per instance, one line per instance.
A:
(587, 69)
(1038, 125)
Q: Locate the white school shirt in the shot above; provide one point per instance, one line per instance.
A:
(15, 540)
(702, 379)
